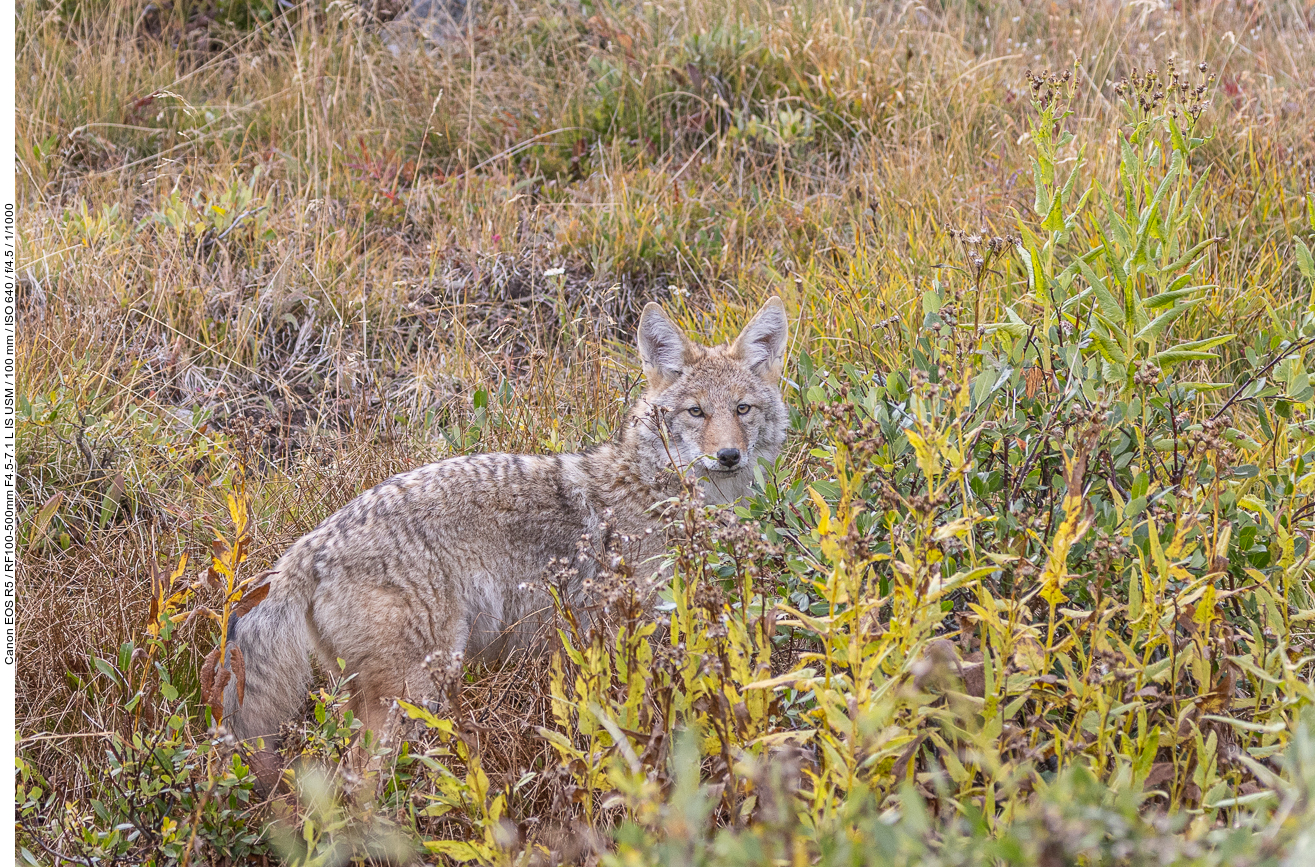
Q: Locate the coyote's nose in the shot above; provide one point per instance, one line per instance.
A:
(729, 458)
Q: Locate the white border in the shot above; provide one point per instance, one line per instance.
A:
(8, 311)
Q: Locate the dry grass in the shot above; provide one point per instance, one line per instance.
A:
(293, 249)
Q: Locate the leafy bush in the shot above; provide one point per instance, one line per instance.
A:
(1031, 584)
(1036, 552)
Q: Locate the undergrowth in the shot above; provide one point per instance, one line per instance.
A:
(1031, 583)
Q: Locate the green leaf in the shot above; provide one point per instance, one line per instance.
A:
(1012, 329)
(1176, 166)
(1149, 212)
(1108, 305)
(1118, 227)
(1132, 314)
(1195, 194)
(1109, 348)
(1205, 386)
(108, 506)
(1126, 179)
(1164, 299)
(106, 669)
(1074, 268)
(1055, 219)
(1183, 260)
(1176, 356)
(1029, 238)
(1038, 279)
(1114, 332)
(1130, 165)
(1176, 137)
(1206, 343)
(1134, 598)
(986, 382)
(1026, 256)
(1140, 256)
(1042, 203)
(1153, 329)
(1073, 176)
(931, 302)
(1304, 261)
(1181, 281)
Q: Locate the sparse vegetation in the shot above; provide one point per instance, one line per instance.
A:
(1032, 583)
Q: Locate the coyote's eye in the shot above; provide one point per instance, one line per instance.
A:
(743, 408)
(696, 411)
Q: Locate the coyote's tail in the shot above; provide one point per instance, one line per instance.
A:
(276, 645)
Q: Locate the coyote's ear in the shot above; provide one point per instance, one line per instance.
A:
(663, 349)
(761, 345)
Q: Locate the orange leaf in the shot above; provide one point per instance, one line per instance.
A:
(251, 599)
(240, 672)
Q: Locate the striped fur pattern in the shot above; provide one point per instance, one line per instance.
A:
(448, 561)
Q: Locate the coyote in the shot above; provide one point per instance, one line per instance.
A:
(446, 561)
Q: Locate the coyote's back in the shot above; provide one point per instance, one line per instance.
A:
(448, 560)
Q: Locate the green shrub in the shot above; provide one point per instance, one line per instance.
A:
(1037, 563)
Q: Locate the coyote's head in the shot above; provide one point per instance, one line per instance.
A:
(714, 411)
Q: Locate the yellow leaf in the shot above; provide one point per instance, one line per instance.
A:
(1077, 521)
(1028, 654)
(928, 453)
(236, 510)
(428, 718)
(42, 521)
(788, 679)
(780, 739)
(823, 511)
(457, 850)
(957, 527)
(1205, 609)
(1157, 552)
